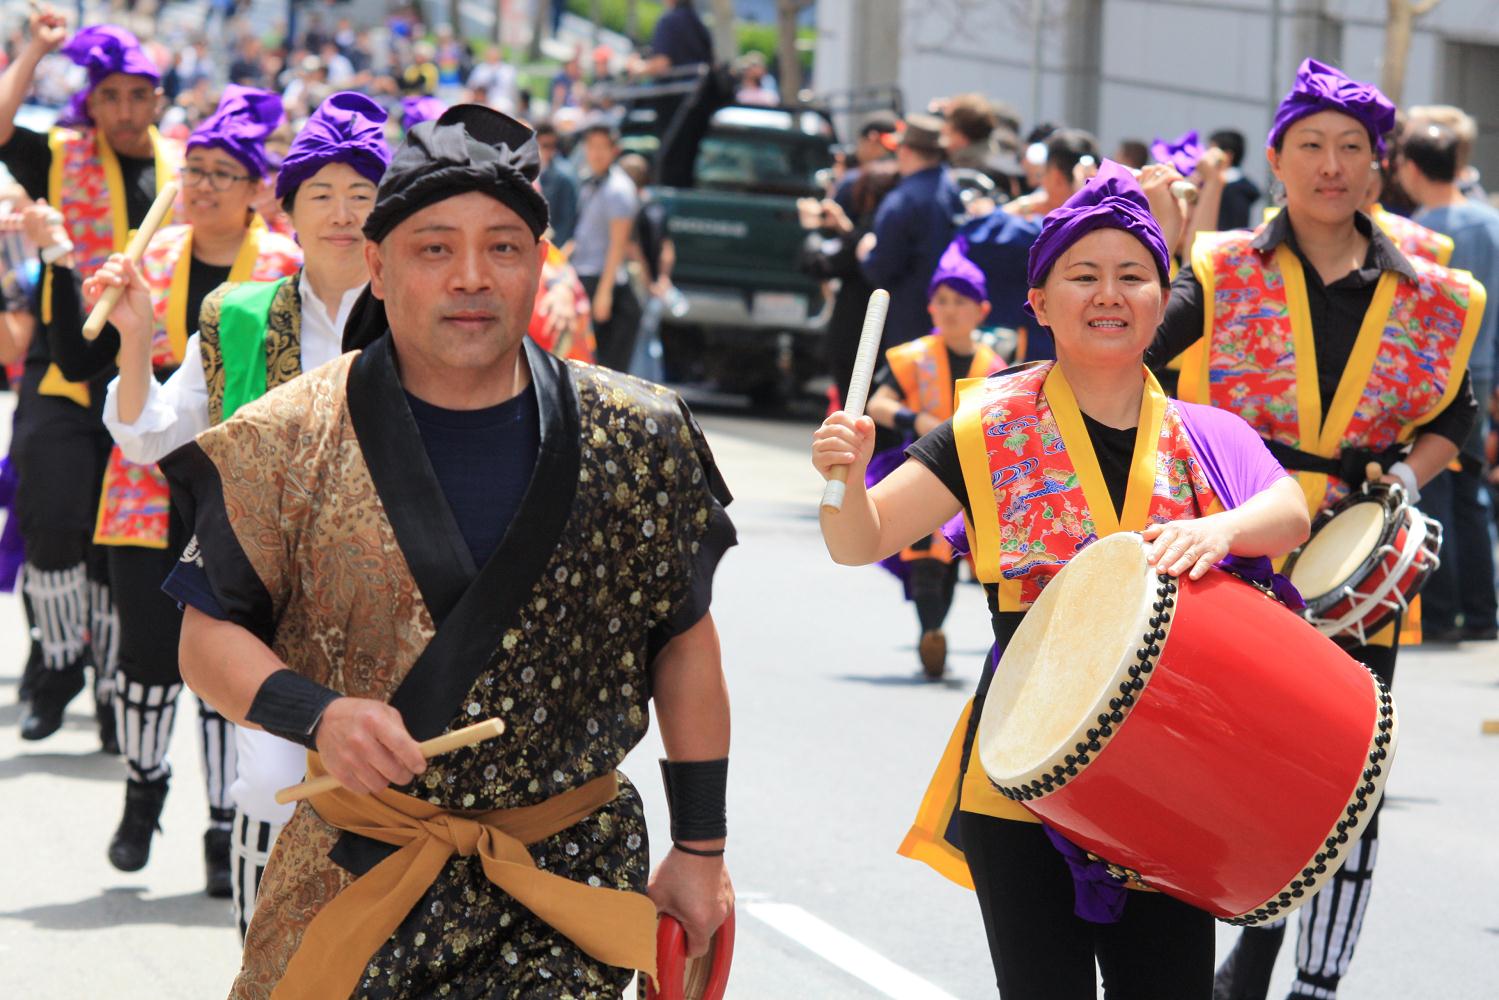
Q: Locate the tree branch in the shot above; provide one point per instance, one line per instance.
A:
(1424, 7)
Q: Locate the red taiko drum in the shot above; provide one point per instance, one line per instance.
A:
(1369, 554)
(1196, 735)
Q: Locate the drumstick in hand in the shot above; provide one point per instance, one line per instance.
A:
(94, 325)
(465, 737)
(858, 388)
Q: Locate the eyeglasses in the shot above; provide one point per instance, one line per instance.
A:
(217, 179)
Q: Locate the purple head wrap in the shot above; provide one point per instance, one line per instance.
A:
(346, 128)
(959, 273)
(415, 110)
(1182, 152)
(239, 126)
(1111, 199)
(104, 50)
(1320, 87)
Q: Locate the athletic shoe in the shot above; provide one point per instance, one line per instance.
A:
(130, 847)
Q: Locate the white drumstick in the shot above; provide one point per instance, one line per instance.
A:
(858, 387)
(1183, 189)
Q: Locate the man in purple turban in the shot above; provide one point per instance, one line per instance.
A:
(1183, 152)
(1301, 300)
(418, 109)
(100, 171)
(252, 337)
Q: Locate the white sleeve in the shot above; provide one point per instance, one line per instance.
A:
(174, 413)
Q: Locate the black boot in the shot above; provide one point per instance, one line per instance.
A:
(131, 845)
(216, 862)
(50, 695)
(30, 674)
(1245, 974)
(109, 739)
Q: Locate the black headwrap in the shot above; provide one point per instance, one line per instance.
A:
(468, 148)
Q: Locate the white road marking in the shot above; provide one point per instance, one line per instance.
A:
(858, 960)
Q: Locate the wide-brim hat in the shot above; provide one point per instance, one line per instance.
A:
(922, 133)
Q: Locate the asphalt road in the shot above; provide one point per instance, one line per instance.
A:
(834, 739)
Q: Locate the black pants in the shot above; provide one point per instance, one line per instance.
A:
(932, 584)
(60, 451)
(150, 621)
(1160, 949)
(615, 338)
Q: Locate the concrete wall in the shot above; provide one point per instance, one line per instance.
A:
(1164, 66)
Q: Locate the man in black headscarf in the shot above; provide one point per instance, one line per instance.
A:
(447, 526)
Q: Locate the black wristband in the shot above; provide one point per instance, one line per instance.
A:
(290, 706)
(695, 795)
(696, 852)
(905, 420)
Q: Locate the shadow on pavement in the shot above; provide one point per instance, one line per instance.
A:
(950, 682)
(124, 907)
(94, 766)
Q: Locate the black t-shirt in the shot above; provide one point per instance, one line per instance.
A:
(1115, 448)
(483, 460)
(29, 159)
(682, 37)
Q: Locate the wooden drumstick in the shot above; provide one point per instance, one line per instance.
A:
(858, 388)
(94, 325)
(465, 737)
(1373, 472)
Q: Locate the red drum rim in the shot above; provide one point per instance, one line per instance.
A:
(1323, 865)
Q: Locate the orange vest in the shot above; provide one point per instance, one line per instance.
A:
(920, 366)
(1261, 362)
(87, 186)
(1035, 488)
(133, 509)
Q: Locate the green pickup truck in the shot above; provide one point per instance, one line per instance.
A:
(750, 321)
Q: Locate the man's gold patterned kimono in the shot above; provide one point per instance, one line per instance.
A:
(323, 529)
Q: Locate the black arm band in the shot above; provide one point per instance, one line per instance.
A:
(905, 420)
(695, 794)
(290, 706)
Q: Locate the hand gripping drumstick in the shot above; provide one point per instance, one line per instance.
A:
(94, 325)
(858, 388)
(1183, 189)
(465, 737)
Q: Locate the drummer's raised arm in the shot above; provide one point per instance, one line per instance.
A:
(907, 505)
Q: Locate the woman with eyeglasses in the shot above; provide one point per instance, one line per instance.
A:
(220, 239)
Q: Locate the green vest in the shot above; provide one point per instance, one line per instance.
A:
(251, 337)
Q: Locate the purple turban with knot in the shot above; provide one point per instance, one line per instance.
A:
(1111, 199)
(1320, 87)
(415, 110)
(104, 50)
(346, 128)
(959, 273)
(1182, 152)
(239, 126)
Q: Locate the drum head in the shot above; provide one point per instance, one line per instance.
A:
(1334, 554)
(1066, 658)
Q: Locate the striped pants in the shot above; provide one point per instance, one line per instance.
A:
(73, 615)
(146, 714)
(249, 851)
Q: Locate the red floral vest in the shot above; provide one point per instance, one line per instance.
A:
(85, 184)
(557, 272)
(920, 367)
(1035, 488)
(135, 505)
(1414, 239)
(1261, 363)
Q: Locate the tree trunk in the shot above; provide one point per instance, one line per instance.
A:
(1400, 22)
(632, 20)
(790, 60)
(725, 38)
(540, 11)
(596, 15)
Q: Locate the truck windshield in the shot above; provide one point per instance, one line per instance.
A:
(756, 162)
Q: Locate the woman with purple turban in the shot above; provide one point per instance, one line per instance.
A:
(1098, 280)
(1342, 353)
(252, 337)
(220, 239)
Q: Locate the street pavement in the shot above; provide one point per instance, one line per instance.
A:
(834, 740)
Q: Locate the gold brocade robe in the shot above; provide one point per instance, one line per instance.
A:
(322, 527)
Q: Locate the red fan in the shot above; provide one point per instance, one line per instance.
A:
(680, 978)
